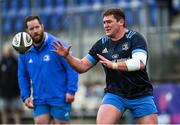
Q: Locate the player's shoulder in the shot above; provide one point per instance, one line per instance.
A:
(103, 39)
(51, 38)
(130, 34)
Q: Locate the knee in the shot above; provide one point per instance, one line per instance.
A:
(42, 120)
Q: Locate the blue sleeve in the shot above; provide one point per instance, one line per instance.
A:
(96, 49)
(23, 78)
(72, 78)
(139, 43)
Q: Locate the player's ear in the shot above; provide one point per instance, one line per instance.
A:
(121, 22)
(42, 26)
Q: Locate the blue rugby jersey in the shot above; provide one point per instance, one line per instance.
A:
(132, 84)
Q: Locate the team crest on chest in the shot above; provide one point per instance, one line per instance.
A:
(125, 46)
(46, 58)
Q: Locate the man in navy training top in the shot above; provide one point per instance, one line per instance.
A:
(54, 82)
(123, 55)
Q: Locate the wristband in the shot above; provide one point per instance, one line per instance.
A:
(114, 66)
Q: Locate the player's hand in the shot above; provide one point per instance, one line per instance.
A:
(69, 98)
(60, 49)
(29, 103)
(107, 63)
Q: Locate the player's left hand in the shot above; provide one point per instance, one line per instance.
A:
(60, 49)
(107, 63)
(69, 98)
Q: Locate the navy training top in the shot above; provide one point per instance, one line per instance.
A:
(128, 84)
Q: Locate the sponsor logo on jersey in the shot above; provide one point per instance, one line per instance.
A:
(66, 114)
(115, 56)
(105, 50)
(120, 60)
(30, 61)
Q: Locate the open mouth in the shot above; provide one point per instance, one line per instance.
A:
(108, 30)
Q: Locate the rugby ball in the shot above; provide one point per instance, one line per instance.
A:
(21, 42)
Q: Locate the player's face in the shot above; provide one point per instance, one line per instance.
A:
(36, 30)
(111, 25)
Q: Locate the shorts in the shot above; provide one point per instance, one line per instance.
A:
(14, 103)
(60, 113)
(139, 107)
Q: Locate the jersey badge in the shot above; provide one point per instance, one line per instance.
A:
(46, 58)
(125, 46)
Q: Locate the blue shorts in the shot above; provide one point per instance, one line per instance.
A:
(139, 107)
(60, 113)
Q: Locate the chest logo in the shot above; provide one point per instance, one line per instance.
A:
(46, 58)
(125, 46)
(105, 50)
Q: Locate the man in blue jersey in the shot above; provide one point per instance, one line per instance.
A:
(123, 54)
(53, 81)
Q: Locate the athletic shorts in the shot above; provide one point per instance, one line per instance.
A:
(14, 103)
(60, 113)
(139, 107)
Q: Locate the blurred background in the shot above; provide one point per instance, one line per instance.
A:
(79, 23)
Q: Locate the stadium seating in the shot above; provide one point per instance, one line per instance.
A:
(7, 25)
(52, 11)
(84, 2)
(19, 24)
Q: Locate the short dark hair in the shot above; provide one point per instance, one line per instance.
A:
(118, 13)
(29, 18)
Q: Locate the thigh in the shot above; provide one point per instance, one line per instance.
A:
(143, 108)
(60, 114)
(41, 114)
(111, 109)
(108, 114)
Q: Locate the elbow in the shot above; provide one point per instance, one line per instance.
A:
(142, 65)
(82, 69)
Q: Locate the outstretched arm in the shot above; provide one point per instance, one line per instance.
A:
(80, 65)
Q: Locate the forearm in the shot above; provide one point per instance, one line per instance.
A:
(119, 66)
(123, 66)
(137, 62)
(76, 64)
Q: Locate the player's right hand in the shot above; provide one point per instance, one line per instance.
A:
(29, 103)
(60, 49)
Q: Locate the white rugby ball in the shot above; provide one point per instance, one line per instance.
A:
(21, 42)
